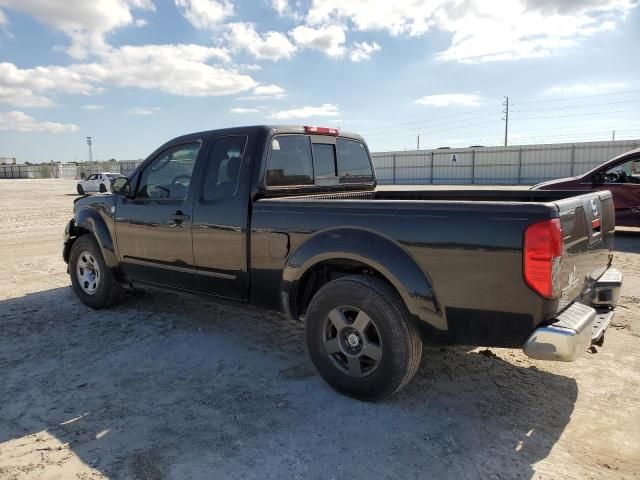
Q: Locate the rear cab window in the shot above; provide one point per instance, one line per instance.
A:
(290, 162)
(354, 165)
(317, 160)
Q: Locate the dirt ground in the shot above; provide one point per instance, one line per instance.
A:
(165, 386)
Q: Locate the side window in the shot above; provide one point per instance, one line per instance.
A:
(289, 161)
(353, 162)
(223, 167)
(168, 176)
(92, 177)
(628, 172)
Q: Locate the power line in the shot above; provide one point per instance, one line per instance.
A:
(458, 121)
(576, 98)
(564, 107)
(411, 135)
(433, 119)
(580, 114)
(415, 129)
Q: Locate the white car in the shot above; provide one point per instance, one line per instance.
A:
(98, 182)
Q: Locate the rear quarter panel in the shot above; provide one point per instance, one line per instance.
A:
(472, 251)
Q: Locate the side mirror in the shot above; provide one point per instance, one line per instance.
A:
(597, 178)
(120, 186)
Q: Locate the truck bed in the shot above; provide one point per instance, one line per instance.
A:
(469, 243)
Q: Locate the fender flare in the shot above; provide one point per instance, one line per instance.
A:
(370, 248)
(90, 220)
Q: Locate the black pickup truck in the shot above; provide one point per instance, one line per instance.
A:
(291, 219)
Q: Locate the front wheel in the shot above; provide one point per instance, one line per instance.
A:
(361, 339)
(80, 190)
(90, 277)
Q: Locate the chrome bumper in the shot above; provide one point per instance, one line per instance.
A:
(579, 326)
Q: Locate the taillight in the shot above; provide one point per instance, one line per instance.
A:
(321, 130)
(543, 247)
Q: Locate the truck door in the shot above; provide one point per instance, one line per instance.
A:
(220, 218)
(153, 226)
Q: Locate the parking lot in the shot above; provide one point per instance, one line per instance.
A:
(170, 386)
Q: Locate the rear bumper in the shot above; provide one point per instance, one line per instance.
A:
(579, 326)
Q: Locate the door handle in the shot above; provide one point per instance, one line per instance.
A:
(179, 217)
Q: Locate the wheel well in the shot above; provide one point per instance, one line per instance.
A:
(324, 272)
(76, 234)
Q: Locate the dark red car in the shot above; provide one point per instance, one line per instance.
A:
(620, 175)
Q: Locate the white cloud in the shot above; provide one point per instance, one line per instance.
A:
(450, 99)
(85, 22)
(328, 39)
(28, 87)
(362, 51)
(281, 6)
(324, 110)
(244, 110)
(585, 88)
(93, 106)
(269, 46)
(23, 97)
(143, 110)
(205, 14)
(140, 22)
(266, 92)
(482, 30)
(21, 122)
(176, 69)
(252, 67)
(269, 91)
(44, 79)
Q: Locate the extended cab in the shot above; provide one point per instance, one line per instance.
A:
(290, 219)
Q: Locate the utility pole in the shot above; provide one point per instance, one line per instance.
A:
(418, 148)
(90, 142)
(506, 120)
(613, 136)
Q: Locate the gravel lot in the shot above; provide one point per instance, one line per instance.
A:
(165, 386)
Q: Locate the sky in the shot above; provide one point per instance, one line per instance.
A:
(133, 74)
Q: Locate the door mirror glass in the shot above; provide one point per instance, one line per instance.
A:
(120, 186)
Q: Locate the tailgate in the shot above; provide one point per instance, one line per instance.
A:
(588, 224)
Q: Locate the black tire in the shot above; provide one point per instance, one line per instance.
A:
(103, 189)
(107, 290)
(80, 190)
(396, 337)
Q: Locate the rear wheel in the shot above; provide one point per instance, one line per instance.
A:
(80, 190)
(90, 277)
(103, 189)
(361, 339)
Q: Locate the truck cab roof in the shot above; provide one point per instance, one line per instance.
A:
(274, 129)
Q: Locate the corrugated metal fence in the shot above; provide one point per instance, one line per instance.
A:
(66, 170)
(513, 165)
